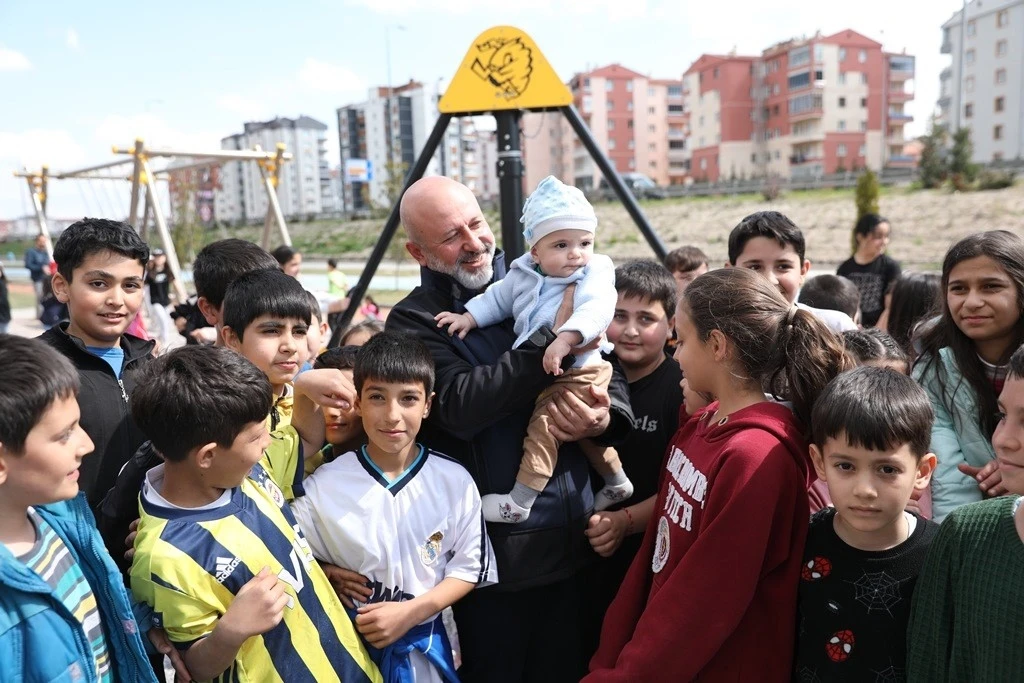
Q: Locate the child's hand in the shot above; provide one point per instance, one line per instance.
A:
(382, 623)
(327, 387)
(457, 322)
(605, 531)
(553, 355)
(349, 585)
(257, 608)
(990, 479)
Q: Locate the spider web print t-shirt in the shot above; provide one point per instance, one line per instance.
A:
(854, 605)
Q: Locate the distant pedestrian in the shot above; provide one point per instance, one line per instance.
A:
(36, 260)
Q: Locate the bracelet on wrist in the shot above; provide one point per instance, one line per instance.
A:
(629, 521)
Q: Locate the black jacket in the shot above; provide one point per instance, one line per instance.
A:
(103, 399)
(485, 393)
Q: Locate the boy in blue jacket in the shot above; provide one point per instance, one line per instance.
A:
(559, 225)
(64, 611)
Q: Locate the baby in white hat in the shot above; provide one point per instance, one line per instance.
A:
(559, 227)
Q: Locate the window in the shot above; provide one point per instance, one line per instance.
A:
(586, 104)
(968, 111)
(673, 91)
(609, 104)
(864, 78)
(800, 80)
(632, 163)
(969, 57)
(701, 140)
(608, 86)
(651, 128)
(703, 164)
(715, 74)
(675, 110)
(1003, 18)
(1001, 48)
(863, 151)
(651, 147)
(862, 56)
(971, 28)
(1000, 76)
(718, 116)
(863, 102)
(842, 101)
(700, 121)
(632, 144)
(1000, 103)
(753, 158)
(775, 110)
(586, 83)
(841, 125)
(611, 143)
(842, 78)
(629, 105)
(718, 138)
(819, 53)
(799, 56)
(629, 124)
(775, 89)
(997, 133)
(651, 110)
(969, 84)
(629, 86)
(863, 126)
(652, 164)
(841, 150)
(842, 54)
(611, 124)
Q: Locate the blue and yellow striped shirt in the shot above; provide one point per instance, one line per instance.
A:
(189, 565)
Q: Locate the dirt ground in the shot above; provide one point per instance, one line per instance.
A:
(924, 223)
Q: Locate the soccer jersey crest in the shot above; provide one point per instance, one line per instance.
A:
(661, 547)
(431, 550)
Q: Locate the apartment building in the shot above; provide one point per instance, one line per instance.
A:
(639, 122)
(983, 87)
(802, 108)
(304, 189)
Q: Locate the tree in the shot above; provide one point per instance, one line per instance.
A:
(867, 199)
(932, 166)
(962, 170)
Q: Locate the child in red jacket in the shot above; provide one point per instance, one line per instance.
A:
(712, 592)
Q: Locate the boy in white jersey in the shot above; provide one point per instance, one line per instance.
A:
(218, 555)
(64, 612)
(405, 517)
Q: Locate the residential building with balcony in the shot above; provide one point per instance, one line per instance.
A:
(983, 87)
(304, 189)
(802, 108)
(639, 122)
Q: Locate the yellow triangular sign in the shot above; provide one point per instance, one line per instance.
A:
(503, 69)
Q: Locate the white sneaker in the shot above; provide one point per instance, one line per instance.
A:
(610, 495)
(499, 507)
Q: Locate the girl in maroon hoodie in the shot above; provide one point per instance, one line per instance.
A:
(712, 592)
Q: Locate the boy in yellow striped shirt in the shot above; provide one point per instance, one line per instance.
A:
(219, 555)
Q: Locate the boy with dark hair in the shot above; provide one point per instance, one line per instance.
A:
(871, 429)
(832, 292)
(642, 323)
(219, 556)
(769, 243)
(217, 265)
(101, 266)
(265, 317)
(964, 624)
(406, 518)
(64, 613)
(344, 428)
(686, 264)
(318, 329)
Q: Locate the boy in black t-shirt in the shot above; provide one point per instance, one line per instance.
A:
(640, 328)
(871, 429)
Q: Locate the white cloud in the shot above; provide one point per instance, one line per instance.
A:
(330, 78)
(12, 60)
(37, 146)
(155, 131)
(72, 39)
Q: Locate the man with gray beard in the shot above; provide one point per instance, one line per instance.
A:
(526, 628)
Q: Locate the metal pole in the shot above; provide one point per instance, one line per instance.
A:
(615, 181)
(357, 293)
(144, 226)
(133, 207)
(270, 181)
(36, 187)
(510, 182)
(161, 226)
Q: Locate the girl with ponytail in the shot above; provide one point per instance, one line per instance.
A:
(712, 593)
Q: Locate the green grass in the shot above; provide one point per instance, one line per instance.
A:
(22, 299)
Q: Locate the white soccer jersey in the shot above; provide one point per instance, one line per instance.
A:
(405, 535)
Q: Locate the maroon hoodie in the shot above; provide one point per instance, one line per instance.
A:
(712, 592)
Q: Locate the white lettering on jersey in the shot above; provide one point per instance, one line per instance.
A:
(645, 424)
(691, 483)
(225, 567)
(300, 553)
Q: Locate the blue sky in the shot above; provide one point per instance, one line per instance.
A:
(77, 77)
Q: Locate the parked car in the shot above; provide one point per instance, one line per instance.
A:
(640, 185)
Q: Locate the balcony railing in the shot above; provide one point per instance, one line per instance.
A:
(900, 117)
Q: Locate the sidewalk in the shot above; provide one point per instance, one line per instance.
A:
(24, 323)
